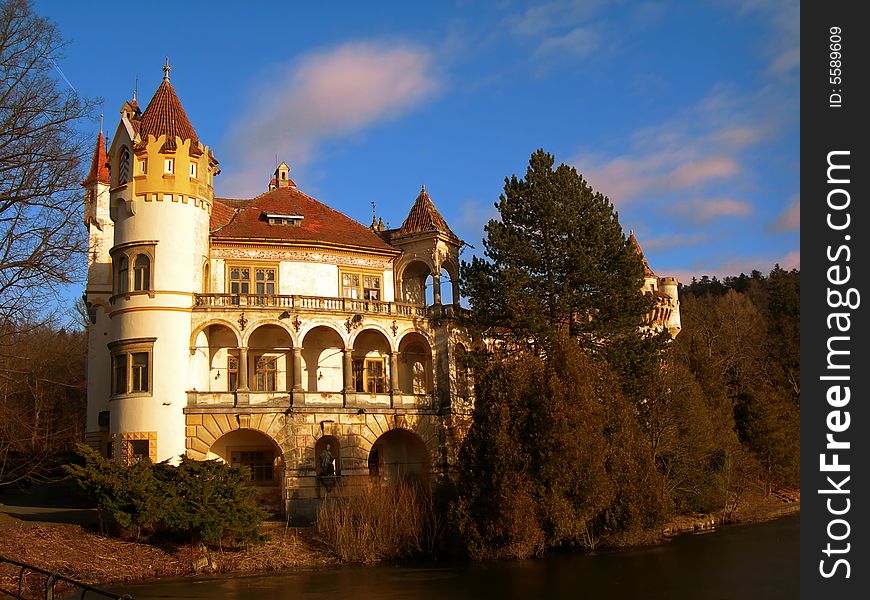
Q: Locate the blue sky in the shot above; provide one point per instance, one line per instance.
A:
(685, 114)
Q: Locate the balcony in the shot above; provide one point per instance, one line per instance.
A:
(271, 401)
(308, 303)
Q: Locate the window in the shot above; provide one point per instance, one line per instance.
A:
(131, 366)
(361, 286)
(232, 373)
(132, 264)
(369, 375)
(193, 170)
(138, 446)
(143, 166)
(259, 462)
(123, 166)
(266, 370)
(123, 275)
(137, 450)
(244, 280)
(142, 273)
(169, 166)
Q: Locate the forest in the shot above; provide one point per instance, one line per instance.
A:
(589, 428)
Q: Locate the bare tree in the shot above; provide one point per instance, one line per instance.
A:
(41, 160)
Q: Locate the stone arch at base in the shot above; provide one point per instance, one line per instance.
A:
(203, 430)
(403, 445)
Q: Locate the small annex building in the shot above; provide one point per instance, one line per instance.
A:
(270, 332)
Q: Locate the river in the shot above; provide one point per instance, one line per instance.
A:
(742, 562)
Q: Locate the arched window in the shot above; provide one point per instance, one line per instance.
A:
(142, 273)
(122, 284)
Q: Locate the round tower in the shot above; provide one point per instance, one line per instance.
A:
(670, 287)
(160, 201)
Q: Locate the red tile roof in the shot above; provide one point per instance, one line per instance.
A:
(99, 164)
(165, 116)
(424, 217)
(236, 218)
(647, 271)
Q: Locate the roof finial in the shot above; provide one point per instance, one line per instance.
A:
(101, 123)
(423, 189)
(166, 69)
(135, 88)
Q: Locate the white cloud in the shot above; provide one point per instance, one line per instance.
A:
(325, 95)
(781, 46)
(578, 42)
(675, 240)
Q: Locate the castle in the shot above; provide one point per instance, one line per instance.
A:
(273, 333)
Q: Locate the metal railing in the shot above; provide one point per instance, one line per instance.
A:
(82, 590)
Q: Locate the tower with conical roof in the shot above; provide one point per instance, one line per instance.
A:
(159, 200)
(430, 247)
(98, 291)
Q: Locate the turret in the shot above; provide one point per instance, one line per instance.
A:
(670, 287)
(160, 202)
(101, 234)
(96, 217)
(281, 177)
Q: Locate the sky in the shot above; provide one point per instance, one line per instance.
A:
(685, 114)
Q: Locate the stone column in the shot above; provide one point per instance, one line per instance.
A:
(436, 288)
(348, 370)
(394, 373)
(297, 369)
(243, 370)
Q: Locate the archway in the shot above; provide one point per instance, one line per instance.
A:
(415, 365)
(400, 456)
(414, 278)
(269, 363)
(256, 451)
(371, 352)
(214, 362)
(322, 354)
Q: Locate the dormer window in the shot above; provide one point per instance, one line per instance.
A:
(281, 219)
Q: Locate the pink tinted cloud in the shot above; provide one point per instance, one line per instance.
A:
(698, 172)
(737, 265)
(326, 95)
(790, 217)
(708, 209)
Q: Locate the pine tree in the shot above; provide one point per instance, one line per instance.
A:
(557, 262)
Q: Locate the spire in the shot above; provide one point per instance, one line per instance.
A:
(99, 164)
(424, 217)
(165, 116)
(647, 271)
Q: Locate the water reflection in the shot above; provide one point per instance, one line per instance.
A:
(744, 562)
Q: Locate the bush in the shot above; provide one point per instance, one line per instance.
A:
(376, 523)
(196, 501)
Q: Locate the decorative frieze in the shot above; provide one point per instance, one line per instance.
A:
(302, 256)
